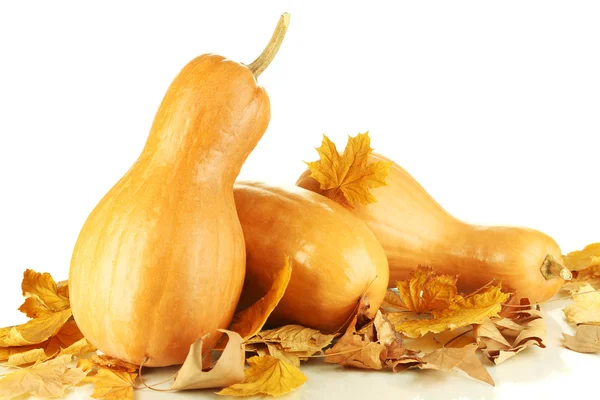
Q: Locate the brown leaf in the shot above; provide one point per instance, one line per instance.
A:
(462, 312)
(113, 384)
(502, 338)
(46, 379)
(268, 376)
(42, 294)
(34, 331)
(425, 291)
(349, 178)
(251, 320)
(228, 370)
(586, 339)
(114, 364)
(464, 358)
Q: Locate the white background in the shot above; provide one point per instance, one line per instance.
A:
(492, 106)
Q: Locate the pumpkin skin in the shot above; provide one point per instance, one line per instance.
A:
(160, 261)
(415, 230)
(335, 258)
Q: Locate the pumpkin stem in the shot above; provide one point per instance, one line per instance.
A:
(552, 269)
(262, 62)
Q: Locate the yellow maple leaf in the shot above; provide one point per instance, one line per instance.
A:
(42, 294)
(462, 312)
(113, 384)
(425, 291)
(46, 379)
(582, 259)
(586, 306)
(348, 178)
(34, 331)
(250, 321)
(266, 375)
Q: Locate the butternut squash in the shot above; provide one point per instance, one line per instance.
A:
(160, 261)
(335, 257)
(414, 229)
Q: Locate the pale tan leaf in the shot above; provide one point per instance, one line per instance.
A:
(267, 376)
(393, 300)
(250, 321)
(586, 339)
(585, 308)
(228, 370)
(463, 358)
(46, 379)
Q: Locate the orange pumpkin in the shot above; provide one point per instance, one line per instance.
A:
(335, 258)
(160, 261)
(414, 229)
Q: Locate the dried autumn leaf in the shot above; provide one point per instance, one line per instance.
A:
(34, 331)
(585, 308)
(586, 339)
(393, 300)
(463, 358)
(462, 312)
(266, 375)
(228, 370)
(82, 346)
(582, 259)
(292, 343)
(348, 178)
(108, 362)
(113, 385)
(502, 338)
(251, 320)
(588, 276)
(425, 291)
(42, 294)
(47, 379)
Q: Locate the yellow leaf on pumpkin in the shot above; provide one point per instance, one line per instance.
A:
(267, 376)
(425, 291)
(462, 312)
(348, 178)
(250, 321)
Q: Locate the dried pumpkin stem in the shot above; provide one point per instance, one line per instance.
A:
(262, 62)
(552, 269)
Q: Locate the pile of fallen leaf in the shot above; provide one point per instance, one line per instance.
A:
(423, 324)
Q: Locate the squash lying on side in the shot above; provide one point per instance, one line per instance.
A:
(335, 257)
(414, 229)
(160, 261)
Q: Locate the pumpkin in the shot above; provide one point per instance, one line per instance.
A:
(160, 261)
(335, 258)
(414, 229)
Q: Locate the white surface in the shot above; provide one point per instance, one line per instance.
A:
(493, 107)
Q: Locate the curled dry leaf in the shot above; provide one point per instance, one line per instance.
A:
(589, 276)
(425, 291)
(250, 321)
(113, 384)
(348, 178)
(582, 259)
(586, 339)
(42, 294)
(502, 338)
(267, 376)
(108, 362)
(46, 379)
(228, 370)
(464, 358)
(34, 331)
(462, 312)
(292, 343)
(585, 308)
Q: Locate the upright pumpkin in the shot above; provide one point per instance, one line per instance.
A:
(160, 261)
(414, 229)
(335, 258)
